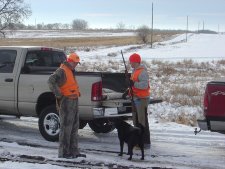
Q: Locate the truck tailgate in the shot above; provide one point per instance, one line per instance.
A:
(121, 107)
(122, 102)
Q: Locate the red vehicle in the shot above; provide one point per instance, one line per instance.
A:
(214, 107)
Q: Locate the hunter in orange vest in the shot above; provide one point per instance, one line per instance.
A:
(65, 87)
(70, 88)
(141, 92)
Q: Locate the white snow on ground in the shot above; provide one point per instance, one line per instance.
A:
(199, 47)
(173, 145)
(61, 33)
(202, 47)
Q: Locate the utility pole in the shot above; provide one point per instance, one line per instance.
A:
(198, 26)
(187, 29)
(152, 27)
(218, 28)
(203, 26)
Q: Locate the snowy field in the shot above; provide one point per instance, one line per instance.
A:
(178, 72)
(199, 47)
(61, 33)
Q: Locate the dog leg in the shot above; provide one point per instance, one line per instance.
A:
(142, 151)
(130, 151)
(121, 148)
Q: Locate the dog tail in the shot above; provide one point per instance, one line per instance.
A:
(142, 129)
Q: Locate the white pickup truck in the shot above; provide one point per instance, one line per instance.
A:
(24, 71)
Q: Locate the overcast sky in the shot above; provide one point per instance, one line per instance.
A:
(168, 14)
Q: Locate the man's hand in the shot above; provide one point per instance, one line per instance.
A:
(124, 96)
(131, 83)
(58, 100)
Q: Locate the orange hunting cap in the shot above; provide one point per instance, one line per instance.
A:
(135, 58)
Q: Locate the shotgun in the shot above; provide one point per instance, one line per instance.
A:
(128, 78)
(130, 87)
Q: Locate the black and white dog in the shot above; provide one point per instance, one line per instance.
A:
(131, 135)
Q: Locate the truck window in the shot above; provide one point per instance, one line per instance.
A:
(42, 61)
(44, 58)
(7, 60)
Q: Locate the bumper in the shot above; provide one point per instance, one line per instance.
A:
(110, 112)
(202, 124)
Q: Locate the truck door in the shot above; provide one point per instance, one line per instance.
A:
(8, 66)
(38, 64)
(216, 100)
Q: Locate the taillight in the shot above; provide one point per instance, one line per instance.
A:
(96, 92)
(206, 101)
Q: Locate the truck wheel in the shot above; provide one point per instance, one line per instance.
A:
(49, 124)
(82, 124)
(101, 126)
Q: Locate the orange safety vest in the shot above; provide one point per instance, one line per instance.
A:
(141, 93)
(70, 88)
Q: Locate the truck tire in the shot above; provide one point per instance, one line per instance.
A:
(82, 124)
(101, 126)
(49, 125)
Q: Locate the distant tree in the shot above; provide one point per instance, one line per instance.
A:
(52, 26)
(49, 26)
(30, 27)
(120, 26)
(65, 26)
(11, 13)
(57, 25)
(207, 31)
(143, 32)
(40, 26)
(20, 26)
(79, 24)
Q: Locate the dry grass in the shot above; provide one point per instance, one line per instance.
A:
(187, 120)
(183, 82)
(70, 42)
(182, 90)
(168, 70)
(82, 41)
(222, 62)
